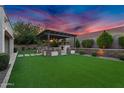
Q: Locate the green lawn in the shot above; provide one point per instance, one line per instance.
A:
(67, 71)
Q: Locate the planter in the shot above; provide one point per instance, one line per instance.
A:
(72, 51)
(54, 53)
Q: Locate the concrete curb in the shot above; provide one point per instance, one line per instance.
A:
(6, 79)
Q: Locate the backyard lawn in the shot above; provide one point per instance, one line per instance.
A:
(66, 72)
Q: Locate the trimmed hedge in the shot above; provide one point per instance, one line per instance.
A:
(77, 43)
(105, 40)
(121, 56)
(4, 61)
(88, 43)
(121, 41)
(15, 50)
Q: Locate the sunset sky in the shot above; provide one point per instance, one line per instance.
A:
(69, 18)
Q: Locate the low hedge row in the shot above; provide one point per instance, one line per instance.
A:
(4, 61)
(121, 56)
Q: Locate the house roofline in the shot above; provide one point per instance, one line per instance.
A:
(8, 20)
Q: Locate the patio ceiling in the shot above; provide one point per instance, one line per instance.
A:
(54, 34)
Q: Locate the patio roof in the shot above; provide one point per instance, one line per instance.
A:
(54, 34)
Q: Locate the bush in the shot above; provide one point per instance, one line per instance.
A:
(4, 61)
(121, 56)
(105, 40)
(88, 43)
(15, 50)
(77, 44)
(121, 41)
(94, 54)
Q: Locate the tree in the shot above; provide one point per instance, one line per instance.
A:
(25, 33)
(77, 43)
(105, 40)
(121, 41)
(88, 43)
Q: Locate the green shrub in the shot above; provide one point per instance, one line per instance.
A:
(77, 44)
(4, 61)
(121, 41)
(88, 43)
(121, 56)
(105, 40)
(94, 54)
(15, 50)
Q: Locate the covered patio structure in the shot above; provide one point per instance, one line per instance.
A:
(48, 35)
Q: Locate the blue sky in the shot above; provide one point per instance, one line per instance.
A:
(78, 19)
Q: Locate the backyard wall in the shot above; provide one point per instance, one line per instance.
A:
(115, 32)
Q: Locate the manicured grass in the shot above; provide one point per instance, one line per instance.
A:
(67, 71)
